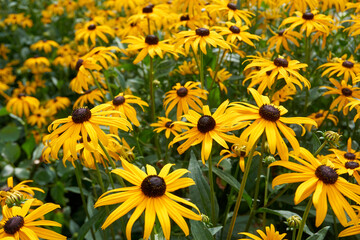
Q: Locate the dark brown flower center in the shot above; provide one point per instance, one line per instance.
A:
(148, 8)
(268, 72)
(21, 95)
(13, 224)
(280, 33)
(349, 156)
(133, 24)
(81, 115)
(351, 165)
(118, 100)
(169, 124)
(203, 32)
(319, 115)
(206, 123)
(91, 27)
(151, 39)
(269, 112)
(234, 29)
(232, 6)
(346, 92)
(182, 92)
(308, 16)
(347, 64)
(88, 91)
(153, 186)
(38, 115)
(326, 174)
(281, 62)
(185, 18)
(79, 64)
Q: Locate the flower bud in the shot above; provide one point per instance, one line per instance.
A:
(294, 221)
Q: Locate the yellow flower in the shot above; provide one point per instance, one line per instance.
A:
(320, 116)
(283, 94)
(346, 68)
(270, 234)
(3, 51)
(149, 45)
(19, 224)
(208, 127)
(282, 37)
(44, 45)
(39, 117)
(191, 7)
(325, 184)
(152, 194)
(268, 119)
(309, 21)
(183, 97)
(38, 65)
(169, 126)
(91, 31)
(83, 78)
(221, 76)
(89, 96)
(346, 93)
(339, 5)
(22, 104)
(187, 68)
(57, 103)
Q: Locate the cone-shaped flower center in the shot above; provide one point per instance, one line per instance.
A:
(326, 174)
(351, 165)
(280, 33)
(269, 112)
(153, 186)
(185, 18)
(281, 62)
(118, 100)
(151, 40)
(148, 8)
(13, 224)
(346, 92)
(349, 156)
(347, 64)
(232, 6)
(21, 95)
(81, 115)
(319, 115)
(182, 92)
(308, 16)
(203, 32)
(206, 123)
(79, 64)
(91, 27)
(169, 124)
(234, 29)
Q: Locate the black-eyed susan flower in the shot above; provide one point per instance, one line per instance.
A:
(89, 96)
(321, 179)
(269, 234)
(131, 4)
(20, 224)
(91, 31)
(152, 194)
(84, 78)
(268, 120)
(353, 30)
(4, 51)
(38, 65)
(58, 103)
(346, 94)
(283, 95)
(229, 10)
(276, 69)
(184, 97)
(105, 56)
(347, 161)
(235, 32)
(191, 7)
(19, 189)
(282, 37)
(221, 76)
(39, 117)
(122, 103)
(201, 37)
(187, 68)
(301, 5)
(208, 127)
(150, 45)
(341, 66)
(320, 116)
(44, 45)
(18, 19)
(83, 122)
(309, 22)
(167, 125)
(339, 5)
(22, 105)
(350, 231)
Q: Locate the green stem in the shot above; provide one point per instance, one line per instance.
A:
(212, 192)
(166, 160)
(97, 83)
(303, 221)
(320, 148)
(79, 183)
(278, 195)
(307, 61)
(266, 195)
(241, 191)
(293, 234)
(201, 70)
(109, 87)
(336, 232)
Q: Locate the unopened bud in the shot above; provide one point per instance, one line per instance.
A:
(156, 83)
(294, 221)
(269, 159)
(332, 138)
(205, 218)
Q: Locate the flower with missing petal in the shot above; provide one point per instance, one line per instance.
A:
(169, 126)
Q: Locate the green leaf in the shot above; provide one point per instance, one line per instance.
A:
(200, 192)
(320, 235)
(98, 218)
(281, 213)
(7, 170)
(315, 142)
(22, 173)
(10, 133)
(11, 151)
(43, 177)
(57, 193)
(227, 177)
(29, 146)
(3, 112)
(199, 231)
